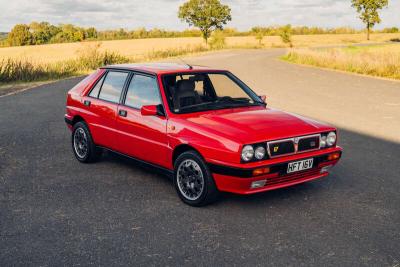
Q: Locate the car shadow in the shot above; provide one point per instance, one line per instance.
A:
(364, 159)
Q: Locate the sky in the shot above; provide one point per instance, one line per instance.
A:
(130, 14)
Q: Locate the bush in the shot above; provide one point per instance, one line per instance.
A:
(217, 40)
(286, 35)
(89, 58)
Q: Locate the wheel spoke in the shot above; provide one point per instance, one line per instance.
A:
(190, 179)
(80, 143)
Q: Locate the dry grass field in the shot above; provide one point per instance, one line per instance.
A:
(55, 61)
(376, 60)
(138, 47)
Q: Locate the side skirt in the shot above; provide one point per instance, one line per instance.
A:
(153, 167)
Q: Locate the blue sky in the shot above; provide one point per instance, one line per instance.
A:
(131, 14)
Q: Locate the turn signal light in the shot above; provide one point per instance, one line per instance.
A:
(333, 156)
(260, 171)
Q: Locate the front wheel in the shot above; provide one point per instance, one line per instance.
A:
(82, 144)
(193, 180)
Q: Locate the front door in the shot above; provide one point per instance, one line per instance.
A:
(142, 137)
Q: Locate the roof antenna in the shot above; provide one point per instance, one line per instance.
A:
(184, 62)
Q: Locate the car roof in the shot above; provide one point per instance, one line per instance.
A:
(160, 68)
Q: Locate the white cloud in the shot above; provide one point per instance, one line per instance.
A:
(163, 13)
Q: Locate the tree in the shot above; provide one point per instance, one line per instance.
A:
(207, 15)
(20, 35)
(41, 32)
(368, 10)
(286, 35)
(260, 37)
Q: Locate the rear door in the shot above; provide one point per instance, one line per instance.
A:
(102, 104)
(142, 137)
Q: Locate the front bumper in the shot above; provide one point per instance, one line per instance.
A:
(239, 180)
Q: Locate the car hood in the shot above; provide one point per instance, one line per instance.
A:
(255, 124)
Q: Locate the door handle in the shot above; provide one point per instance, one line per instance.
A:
(86, 103)
(122, 113)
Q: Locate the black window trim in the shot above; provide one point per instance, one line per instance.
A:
(129, 80)
(105, 76)
(234, 78)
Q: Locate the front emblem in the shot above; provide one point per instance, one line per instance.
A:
(276, 148)
(296, 140)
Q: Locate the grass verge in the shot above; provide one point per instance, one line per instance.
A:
(89, 57)
(376, 60)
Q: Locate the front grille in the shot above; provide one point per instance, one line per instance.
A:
(281, 148)
(308, 143)
(292, 177)
(293, 145)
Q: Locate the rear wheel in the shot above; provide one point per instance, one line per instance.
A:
(193, 180)
(82, 144)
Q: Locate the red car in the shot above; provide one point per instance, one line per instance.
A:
(203, 126)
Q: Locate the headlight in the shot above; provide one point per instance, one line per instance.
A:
(259, 152)
(323, 141)
(331, 139)
(247, 153)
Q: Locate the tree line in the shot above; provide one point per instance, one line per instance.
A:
(206, 15)
(37, 33)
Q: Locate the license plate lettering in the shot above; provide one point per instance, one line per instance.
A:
(300, 165)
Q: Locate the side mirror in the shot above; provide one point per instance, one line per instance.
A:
(263, 98)
(152, 110)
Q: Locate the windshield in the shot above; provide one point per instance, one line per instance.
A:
(195, 92)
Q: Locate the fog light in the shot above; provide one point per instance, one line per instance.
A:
(325, 169)
(260, 171)
(257, 184)
(333, 156)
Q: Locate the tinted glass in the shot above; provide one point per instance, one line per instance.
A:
(96, 88)
(224, 86)
(198, 83)
(112, 86)
(142, 91)
(207, 91)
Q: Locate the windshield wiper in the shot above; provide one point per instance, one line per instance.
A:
(196, 107)
(232, 100)
(215, 105)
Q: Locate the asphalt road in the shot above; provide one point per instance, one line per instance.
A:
(56, 211)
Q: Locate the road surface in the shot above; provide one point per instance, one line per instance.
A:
(56, 211)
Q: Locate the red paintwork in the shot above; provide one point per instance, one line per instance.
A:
(149, 110)
(217, 135)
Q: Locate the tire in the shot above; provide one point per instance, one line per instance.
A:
(190, 171)
(84, 148)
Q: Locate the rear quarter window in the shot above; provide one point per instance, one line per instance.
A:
(96, 89)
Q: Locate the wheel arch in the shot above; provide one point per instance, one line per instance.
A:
(178, 150)
(77, 118)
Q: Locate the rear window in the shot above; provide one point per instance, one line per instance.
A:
(112, 86)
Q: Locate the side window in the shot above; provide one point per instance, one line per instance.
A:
(112, 86)
(96, 89)
(142, 91)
